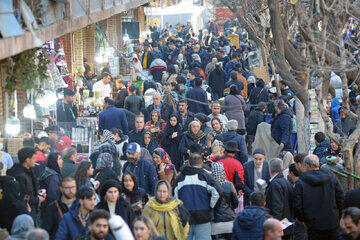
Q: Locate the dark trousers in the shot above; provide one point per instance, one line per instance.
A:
(322, 234)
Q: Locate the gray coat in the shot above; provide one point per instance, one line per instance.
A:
(234, 107)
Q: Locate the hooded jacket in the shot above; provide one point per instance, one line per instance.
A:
(22, 225)
(334, 109)
(321, 150)
(281, 128)
(248, 224)
(318, 200)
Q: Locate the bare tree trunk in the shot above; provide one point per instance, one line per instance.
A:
(302, 125)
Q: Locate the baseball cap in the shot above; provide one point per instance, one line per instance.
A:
(133, 148)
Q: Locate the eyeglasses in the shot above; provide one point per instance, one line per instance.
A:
(69, 188)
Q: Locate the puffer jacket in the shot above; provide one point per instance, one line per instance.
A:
(248, 224)
(224, 212)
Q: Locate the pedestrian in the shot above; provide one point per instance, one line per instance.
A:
(164, 108)
(234, 107)
(21, 226)
(69, 160)
(193, 136)
(76, 221)
(224, 214)
(170, 218)
(66, 111)
(322, 144)
(350, 223)
(171, 139)
(184, 115)
(112, 202)
(255, 170)
(144, 170)
(56, 209)
(156, 125)
(144, 229)
(102, 88)
(197, 98)
(318, 199)
(249, 222)
(194, 185)
(272, 229)
(133, 194)
(112, 117)
(134, 103)
(122, 93)
(37, 234)
(259, 93)
(256, 117)
(216, 112)
(83, 173)
(150, 143)
(137, 135)
(281, 127)
(23, 174)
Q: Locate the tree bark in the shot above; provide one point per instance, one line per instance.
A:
(302, 126)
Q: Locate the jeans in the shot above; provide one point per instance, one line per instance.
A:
(200, 232)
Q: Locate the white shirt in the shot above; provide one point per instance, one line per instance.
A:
(105, 89)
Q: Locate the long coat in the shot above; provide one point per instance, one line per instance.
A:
(234, 107)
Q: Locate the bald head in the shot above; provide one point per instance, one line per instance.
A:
(311, 162)
(272, 229)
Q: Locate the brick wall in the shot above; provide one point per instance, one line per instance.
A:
(67, 43)
(78, 49)
(89, 45)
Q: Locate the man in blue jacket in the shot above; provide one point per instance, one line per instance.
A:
(281, 127)
(248, 224)
(200, 193)
(112, 117)
(144, 170)
(75, 223)
(197, 98)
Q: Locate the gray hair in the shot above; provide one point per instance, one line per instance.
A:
(157, 93)
(68, 152)
(37, 234)
(232, 125)
(196, 57)
(275, 165)
(193, 122)
(312, 160)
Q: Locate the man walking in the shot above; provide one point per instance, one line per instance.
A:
(112, 117)
(318, 200)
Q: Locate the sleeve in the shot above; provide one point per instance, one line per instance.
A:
(124, 122)
(126, 103)
(243, 150)
(182, 146)
(152, 179)
(276, 205)
(339, 194)
(215, 190)
(247, 190)
(285, 133)
(63, 231)
(52, 189)
(15, 197)
(31, 199)
(131, 217)
(298, 202)
(101, 122)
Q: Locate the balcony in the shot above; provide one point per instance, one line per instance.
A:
(54, 19)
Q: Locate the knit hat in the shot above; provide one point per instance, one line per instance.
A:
(202, 117)
(109, 184)
(259, 151)
(281, 104)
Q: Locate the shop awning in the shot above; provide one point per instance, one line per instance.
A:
(9, 26)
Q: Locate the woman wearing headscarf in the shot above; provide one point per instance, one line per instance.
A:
(171, 140)
(50, 179)
(170, 218)
(203, 120)
(136, 67)
(196, 61)
(259, 93)
(224, 214)
(234, 107)
(164, 167)
(149, 143)
(190, 137)
(21, 226)
(103, 170)
(156, 125)
(287, 159)
(132, 193)
(108, 146)
(112, 202)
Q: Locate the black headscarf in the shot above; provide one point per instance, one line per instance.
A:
(52, 163)
(169, 130)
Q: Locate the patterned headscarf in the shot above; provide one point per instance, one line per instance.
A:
(165, 158)
(218, 172)
(108, 136)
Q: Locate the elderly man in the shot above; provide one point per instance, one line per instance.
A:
(215, 112)
(272, 229)
(137, 135)
(253, 171)
(232, 135)
(318, 199)
(164, 108)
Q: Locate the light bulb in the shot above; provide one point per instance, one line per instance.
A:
(12, 126)
(29, 111)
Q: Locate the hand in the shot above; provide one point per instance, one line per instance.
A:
(210, 137)
(162, 167)
(42, 198)
(281, 146)
(28, 208)
(174, 135)
(96, 184)
(188, 152)
(240, 192)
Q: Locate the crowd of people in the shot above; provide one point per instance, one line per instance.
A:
(189, 155)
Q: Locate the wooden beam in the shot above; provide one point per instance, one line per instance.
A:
(15, 45)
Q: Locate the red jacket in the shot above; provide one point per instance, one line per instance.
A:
(233, 169)
(40, 156)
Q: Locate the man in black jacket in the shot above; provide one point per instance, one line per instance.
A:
(137, 135)
(55, 211)
(255, 118)
(318, 200)
(279, 194)
(217, 80)
(134, 103)
(22, 172)
(184, 115)
(254, 170)
(164, 108)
